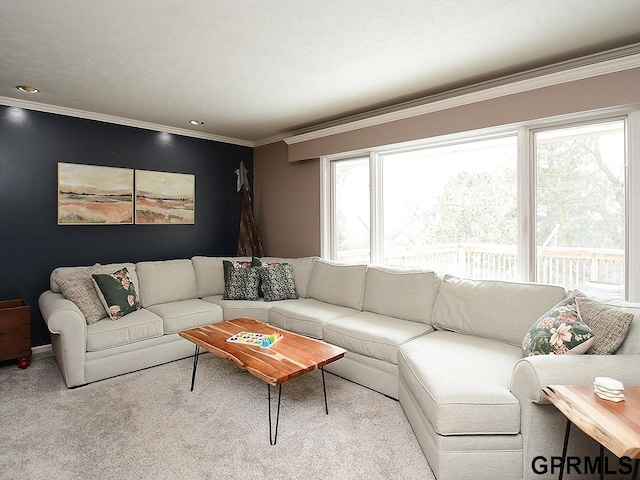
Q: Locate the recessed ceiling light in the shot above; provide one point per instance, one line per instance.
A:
(27, 89)
(196, 122)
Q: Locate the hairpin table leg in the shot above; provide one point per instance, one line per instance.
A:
(195, 365)
(324, 389)
(274, 439)
(564, 449)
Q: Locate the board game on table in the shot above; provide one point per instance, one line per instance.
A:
(262, 340)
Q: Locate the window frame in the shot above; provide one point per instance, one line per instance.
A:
(525, 131)
(579, 122)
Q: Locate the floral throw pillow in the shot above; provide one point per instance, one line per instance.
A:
(241, 281)
(117, 293)
(559, 331)
(278, 282)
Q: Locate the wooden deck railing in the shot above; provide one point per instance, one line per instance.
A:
(574, 268)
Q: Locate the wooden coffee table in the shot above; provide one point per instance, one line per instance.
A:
(291, 356)
(615, 426)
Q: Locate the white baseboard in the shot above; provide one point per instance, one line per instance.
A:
(42, 349)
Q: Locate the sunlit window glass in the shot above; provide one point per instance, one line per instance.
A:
(580, 207)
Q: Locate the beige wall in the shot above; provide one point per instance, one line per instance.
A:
(287, 192)
(614, 89)
(286, 202)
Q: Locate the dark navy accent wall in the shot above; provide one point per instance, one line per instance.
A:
(32, 244)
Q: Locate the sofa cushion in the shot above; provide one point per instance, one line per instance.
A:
(306, 316)
(136, 326)
(256, 309)
(400, 293)
(186, 314)
(559, 331)
(166, 281)
(117, 293)
(462, 382)
(79, 288)
(302, 268)
(337, 284)
(610, 324)
(373, 335)
(494, 309)
(210, 274)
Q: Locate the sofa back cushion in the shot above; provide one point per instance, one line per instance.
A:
(499, 310)
(302, 268)
(210, 274)
(166, 281)
(108, 269)
(337, 284)
(401, 293)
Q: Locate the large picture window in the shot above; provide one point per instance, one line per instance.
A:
(580, 207)
(351, 218)
(544, 203)
(453, 207)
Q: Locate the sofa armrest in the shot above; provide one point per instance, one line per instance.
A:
(68, 330)
(542, 426)
(531, 374)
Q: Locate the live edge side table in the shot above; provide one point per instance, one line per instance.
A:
(15, 331)
(614, 425)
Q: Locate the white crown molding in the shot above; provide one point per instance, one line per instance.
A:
(71, 112)
(612, 61)
(274, 139)
(579, 69)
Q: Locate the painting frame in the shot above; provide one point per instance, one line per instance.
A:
(163, 198)
(95, 195)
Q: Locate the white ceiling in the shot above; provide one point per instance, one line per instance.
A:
(259, 69)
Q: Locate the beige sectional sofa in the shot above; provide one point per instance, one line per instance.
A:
(447, 348)
(147, 337)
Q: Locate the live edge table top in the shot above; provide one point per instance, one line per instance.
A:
(291, 356)
(616, 426)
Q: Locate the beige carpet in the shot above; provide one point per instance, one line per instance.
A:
(147, 425)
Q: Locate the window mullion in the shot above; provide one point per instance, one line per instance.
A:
(327, 210)
(526, 207)
(376, 210)
(632, 253)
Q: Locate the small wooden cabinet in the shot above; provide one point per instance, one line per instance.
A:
(15, 331)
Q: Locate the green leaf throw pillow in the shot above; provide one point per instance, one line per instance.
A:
(559, 331)
(241, 281)
(278, 282)
(117, 293)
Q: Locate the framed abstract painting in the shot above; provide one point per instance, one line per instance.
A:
(163, 198)
(94, 195)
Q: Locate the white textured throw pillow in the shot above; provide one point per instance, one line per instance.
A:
(78, 287)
